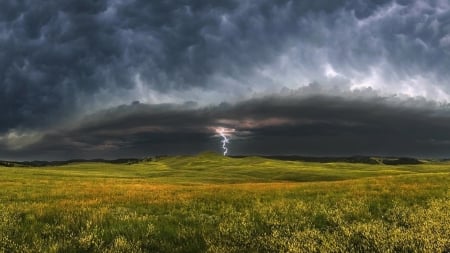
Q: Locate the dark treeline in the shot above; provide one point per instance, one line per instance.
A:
(58, 163)
(351, 159)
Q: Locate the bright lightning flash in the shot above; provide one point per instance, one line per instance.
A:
(224, 133)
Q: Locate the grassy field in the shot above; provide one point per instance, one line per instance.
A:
(210, 203)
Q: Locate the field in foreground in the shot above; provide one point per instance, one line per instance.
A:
(209, 203)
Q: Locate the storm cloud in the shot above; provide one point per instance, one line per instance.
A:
(288, 123)
(69, 71)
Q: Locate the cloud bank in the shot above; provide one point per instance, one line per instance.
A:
(288, 123)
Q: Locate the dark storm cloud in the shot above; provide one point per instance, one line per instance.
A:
(290, 123)
(64, 58)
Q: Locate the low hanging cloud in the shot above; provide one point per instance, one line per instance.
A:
(288, 123)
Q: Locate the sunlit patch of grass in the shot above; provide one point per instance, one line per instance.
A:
(220, 204)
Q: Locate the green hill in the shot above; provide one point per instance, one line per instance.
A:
(212, 203)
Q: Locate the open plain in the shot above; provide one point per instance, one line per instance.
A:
(210, 203)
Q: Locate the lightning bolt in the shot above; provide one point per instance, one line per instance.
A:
(223, 133)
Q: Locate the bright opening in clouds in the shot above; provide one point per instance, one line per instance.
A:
(83, 78)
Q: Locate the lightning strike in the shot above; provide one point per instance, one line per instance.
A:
(224, 132)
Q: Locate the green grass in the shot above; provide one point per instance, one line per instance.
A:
(210, 203)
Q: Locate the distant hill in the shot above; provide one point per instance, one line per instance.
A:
(351, 159)
(212, 155)
(402, 160)
(58, 163)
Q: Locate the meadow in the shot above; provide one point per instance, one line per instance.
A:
(210, 203)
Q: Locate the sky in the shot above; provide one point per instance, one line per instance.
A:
(137, 78)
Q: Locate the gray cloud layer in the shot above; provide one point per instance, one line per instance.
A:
(61, 60)
(290, 123)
